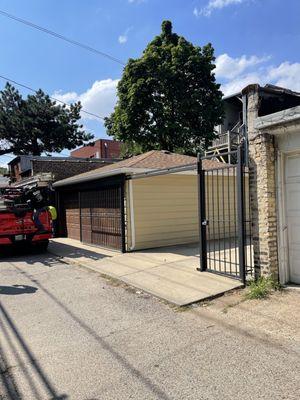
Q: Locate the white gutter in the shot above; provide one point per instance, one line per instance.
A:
(132, 222)
(97, 174)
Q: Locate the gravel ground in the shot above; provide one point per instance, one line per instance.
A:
(68, 333)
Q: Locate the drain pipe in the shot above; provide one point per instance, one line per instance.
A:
(132, 224)
(245, 128)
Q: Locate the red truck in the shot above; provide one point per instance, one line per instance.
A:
(16, 222)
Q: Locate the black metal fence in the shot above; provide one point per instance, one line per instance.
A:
(225, 221)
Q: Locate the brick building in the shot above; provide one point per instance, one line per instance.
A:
(101, 148)
(26, 168)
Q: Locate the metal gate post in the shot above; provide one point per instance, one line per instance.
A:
(201, 217)
(241, 212)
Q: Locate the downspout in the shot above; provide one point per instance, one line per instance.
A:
(245, 128)
(132, 224)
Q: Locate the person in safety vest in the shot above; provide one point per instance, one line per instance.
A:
(53, 213)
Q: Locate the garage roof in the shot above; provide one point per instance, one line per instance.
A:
(152, 160)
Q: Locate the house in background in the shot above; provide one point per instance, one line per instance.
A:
(100, 148)
(234, 127)
(27, 169)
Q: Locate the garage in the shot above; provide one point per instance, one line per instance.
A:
(93, 213)
(292, 194)
(100, 217)
(284, 126)
(71, 215)
(141, 203)
(163, 210)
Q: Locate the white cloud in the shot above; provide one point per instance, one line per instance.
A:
(286, 75)
(124, 37)
(213, 5)
(229, 68)
(136, 1)
(236, 85)
(99, 99)
(68, 97)
(236, 73)
(197, 12)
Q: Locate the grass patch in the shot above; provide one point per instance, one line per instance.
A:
(261, 288)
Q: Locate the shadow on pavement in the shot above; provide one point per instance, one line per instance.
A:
(144, 379)
(17, 289)
(67, 250)
(8, 380)
(29, 257)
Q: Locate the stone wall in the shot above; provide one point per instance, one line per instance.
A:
(262, 193)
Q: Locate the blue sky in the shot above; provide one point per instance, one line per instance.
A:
(254, 41)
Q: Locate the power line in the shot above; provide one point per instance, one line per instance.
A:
(53, 98)
(59, 36)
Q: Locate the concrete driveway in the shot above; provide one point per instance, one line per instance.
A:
(169, 273)
(67, 333)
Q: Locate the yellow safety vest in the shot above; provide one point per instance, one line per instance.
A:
(53, 212)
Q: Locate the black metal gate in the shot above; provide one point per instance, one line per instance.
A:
(224, 217)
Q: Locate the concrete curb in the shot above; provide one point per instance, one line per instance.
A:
(110, 277)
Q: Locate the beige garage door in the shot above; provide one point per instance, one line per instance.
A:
(292, 180)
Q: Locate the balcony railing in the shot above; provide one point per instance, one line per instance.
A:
(226, 139)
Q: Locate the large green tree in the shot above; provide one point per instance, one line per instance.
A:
(38, 124)
(168, 99)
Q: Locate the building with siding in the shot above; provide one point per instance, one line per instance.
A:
(128, 207)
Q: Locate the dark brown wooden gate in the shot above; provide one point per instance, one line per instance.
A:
(101, 217)
(70, 203)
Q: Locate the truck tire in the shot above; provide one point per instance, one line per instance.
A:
(41, 247)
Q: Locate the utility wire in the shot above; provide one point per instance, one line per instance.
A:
(59, 36)
(53, 98)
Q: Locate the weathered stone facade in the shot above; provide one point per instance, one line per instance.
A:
(262, 192)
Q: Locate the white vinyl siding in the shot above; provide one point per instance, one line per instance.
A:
(166, 210)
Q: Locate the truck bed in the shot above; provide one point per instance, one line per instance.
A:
(18, 227)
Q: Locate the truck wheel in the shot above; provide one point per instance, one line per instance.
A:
(42, 246)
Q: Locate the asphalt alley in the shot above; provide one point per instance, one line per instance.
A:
(68, 333)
